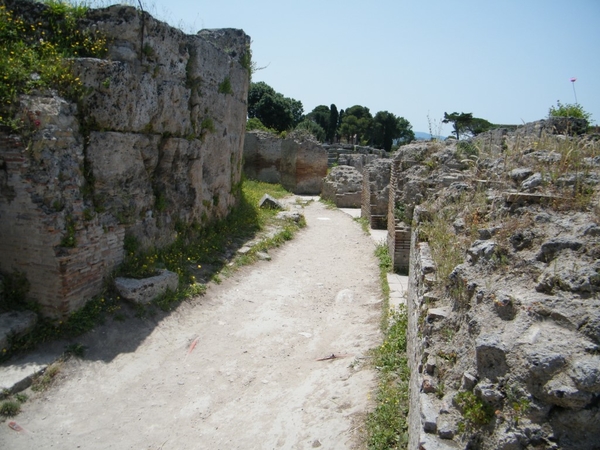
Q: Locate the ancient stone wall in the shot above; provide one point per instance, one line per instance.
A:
(352, 155)
(375, 193)
(155, 143)
(296, 162)
(504, 293)
(343, 186)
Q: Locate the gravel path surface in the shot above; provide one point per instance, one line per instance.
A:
(235, 369)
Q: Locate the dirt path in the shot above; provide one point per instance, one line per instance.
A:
(252, 381)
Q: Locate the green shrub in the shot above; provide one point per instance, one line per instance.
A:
(10, 408)
(569, 110)
(225, 86)
(255, 124)
(475, 412)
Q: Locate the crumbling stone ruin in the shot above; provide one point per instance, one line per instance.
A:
(351, 173)
(357, 156)
(504, 294)
(155, 144)
(343, 187)
(375, 193)
(297, 162)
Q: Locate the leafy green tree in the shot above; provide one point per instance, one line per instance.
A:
(387, 128)
(333, 124)
(296, 109)
(349, 127)
(272, 108)
(478, 126)
(357, 122)
(460, 122)
(255, 93)
(320, 115)
(313, 128)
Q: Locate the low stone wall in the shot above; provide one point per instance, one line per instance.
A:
(427, 428)
(297, 163)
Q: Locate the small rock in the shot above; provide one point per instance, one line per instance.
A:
(428, 385)
(489, 393)
(532, 182)
(468, 381)
(146, 289)
(289, 215)
(487, 233)
(244, 250)
(446, 427)
(522, 239)
(585, 372)
(429, 413)
(562, 391)
(592, 230)
(437, 313)
(543, 362)
(270, 203)
(550, 248)
(430, 364)
(263, 256)
(430, 297)
(506, 306)
(520, 174)
(459, 225)
(481, 249)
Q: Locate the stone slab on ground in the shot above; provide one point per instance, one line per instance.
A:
(378, 236)
(17, 375)
(398, 287)
(147, 289)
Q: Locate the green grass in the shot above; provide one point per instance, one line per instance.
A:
(387, 427)
(475, 412)
(386, 424)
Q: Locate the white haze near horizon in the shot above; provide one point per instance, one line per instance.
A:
(506, 62)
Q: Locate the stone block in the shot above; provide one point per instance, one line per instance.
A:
(145, 290)
(585, 372)
(429, 413)
(269, 202)
(490, 354)
(561, 391)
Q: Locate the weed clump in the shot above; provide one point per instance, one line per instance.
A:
(35, 55)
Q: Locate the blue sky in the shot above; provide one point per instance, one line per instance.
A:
(505, 61)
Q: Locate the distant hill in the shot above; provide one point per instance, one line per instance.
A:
(421, 136)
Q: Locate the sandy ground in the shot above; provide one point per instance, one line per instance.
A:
(252, 380)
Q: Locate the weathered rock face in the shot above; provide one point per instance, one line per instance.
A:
(299, 164)
(156, 141)
(504, 295)
(343, 186)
